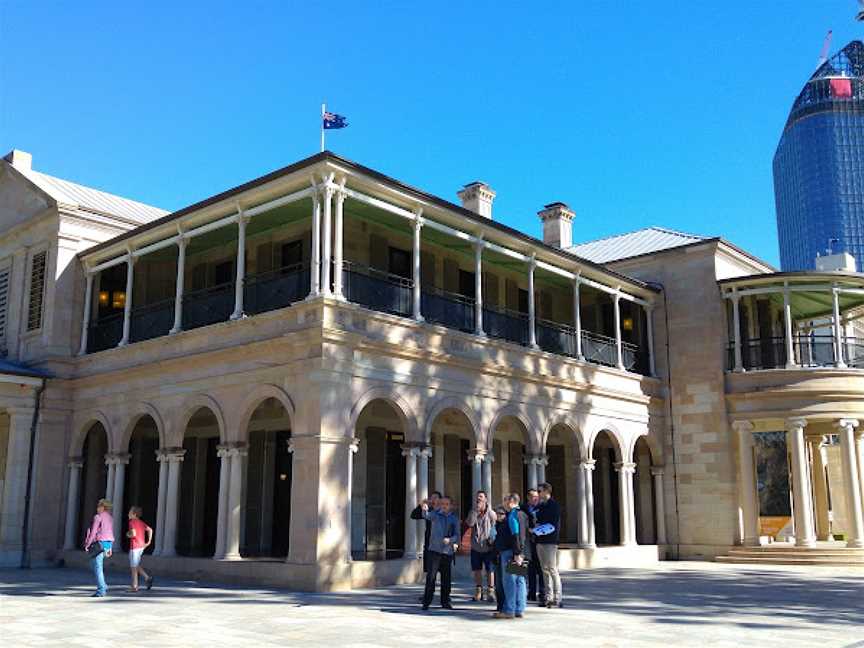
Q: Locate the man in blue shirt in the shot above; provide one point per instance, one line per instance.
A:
(443, 543)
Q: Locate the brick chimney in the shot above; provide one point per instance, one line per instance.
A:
(557, 225)
(19, 159)
(477, 196)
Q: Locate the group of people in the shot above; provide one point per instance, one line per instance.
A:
(99, 544)
(513, 550)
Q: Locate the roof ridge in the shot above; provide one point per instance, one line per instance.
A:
(101, 191)
(656, 228)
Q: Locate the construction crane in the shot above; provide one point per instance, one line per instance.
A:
(825, 47)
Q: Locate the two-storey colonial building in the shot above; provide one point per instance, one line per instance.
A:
(277, 374)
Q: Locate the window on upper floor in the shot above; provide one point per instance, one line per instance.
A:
(37, 291)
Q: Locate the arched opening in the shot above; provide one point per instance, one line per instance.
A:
(142, 474)
(199, 486)
(268, 483)
(607, 524)
(452, 436)
(378, 486)
(509, 448)
(563, 456)
(94, 476)
(643, 493)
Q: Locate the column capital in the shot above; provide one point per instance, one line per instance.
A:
(476, 455)
(425, 451)
(170, 455)
(625, 466)
(743, 427)
(410, 451)
(658, 470)
(796, 423)
(114, 458)
(846, 423)
(537, 460)
(588, 464)
(75, 462)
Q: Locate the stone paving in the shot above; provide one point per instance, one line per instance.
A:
(677, 604)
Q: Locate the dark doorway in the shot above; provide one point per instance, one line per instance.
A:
(142, 475)
(268, 495)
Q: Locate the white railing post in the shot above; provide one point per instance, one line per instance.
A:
(88, 305)
(478, 286)
(532, 318)
(127, 305)
(338, 251)
(415, 274)
(240, 277)
(327, 239)
(577, 317)
(619, 352)
(179, 285)
(787, 328)
(315, 253)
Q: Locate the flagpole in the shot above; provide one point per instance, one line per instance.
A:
(323, 110)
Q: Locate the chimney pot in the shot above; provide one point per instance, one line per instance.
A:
(477, 196)
(19, 159)
(557, 220)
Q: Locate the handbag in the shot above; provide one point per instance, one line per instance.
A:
(516, 569)
(95, 549)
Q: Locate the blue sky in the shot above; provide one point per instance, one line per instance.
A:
(633, 113)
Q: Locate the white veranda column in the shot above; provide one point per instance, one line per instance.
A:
(747, 484)
(72, 503)
(222, 507)
(532, 309)
(805, 535)
(179, 285)
(585, 483)
(415, 273)
(174, 458)
(160, 501)
(649, 332)
(487, 475)
(626, 516)
(119, 513)
(326, 241)
(787, 329)
(659, 503)
(478, 286)
(233, 517)
(338, 245)
(127, 305)
(838, 333)
(315, 261)
(85, 319)
(619, 351)
(736, 332)
(411, 454)
(851, 479)
(240, 277)
(577, 318)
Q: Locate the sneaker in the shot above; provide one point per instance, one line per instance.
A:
(549, 605)
(425, 606)
(519, 615)
(447, 606)
(150, 583)
(97, 595)
(502, 615)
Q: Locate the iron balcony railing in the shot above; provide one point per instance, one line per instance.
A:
(152, 320)
(278, 288)
(378, 290)
(208, 306)
(105, 333)
(809, 350)
(447, 309)
(506, 325)
(599, 349)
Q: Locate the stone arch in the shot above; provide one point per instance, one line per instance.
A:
(619, 445)
(82, 427)
(653, 446)
(187, 411)
(515, 411)
(257, 396)
(138, 412)
(403, 410)
(568, 422)
(455, 403)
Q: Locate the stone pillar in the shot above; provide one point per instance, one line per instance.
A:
(315, 261)
(585, 486)
(222, 452)
(233, 515)
(174, 458)
(487, 475)
(15, 487)
(415, 267)
(805, 535)
(532, 309)
(851, 482)
(127, 306)
(240, 276)
(109, 482)
(542, 462)
(119, 515)
(338, 251)
(476, 458)
(72, 503)
(736, 332)
(627, 513)
(529, 461)
(577, 319)
(85, 319)
(619, 350)
(478, 286)
(422, 492)
(820, 489)
(411, 454)
(179, 285)
(160, 502)
(659, 503)
(747, 500)
(326, 242)
(859, 445)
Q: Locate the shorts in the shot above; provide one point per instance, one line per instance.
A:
(481, 560)
(135, 557)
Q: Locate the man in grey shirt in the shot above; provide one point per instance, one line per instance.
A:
(443, 543)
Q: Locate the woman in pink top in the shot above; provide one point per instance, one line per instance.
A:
(101, 531)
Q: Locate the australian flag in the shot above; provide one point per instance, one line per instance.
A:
(332, 120)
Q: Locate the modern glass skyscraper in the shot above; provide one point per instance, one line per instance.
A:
(819, 165)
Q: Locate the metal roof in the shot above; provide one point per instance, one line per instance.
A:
(632, 244)
(90, 199)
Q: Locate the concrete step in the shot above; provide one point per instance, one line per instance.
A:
(791, 560)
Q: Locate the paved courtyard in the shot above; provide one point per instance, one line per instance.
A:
(678, 604)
